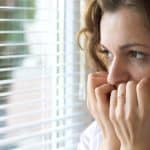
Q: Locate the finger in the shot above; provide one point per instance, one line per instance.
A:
(113, 104)
(131, 107)
(97, 78)
(121, 96)
(131, 98)
(94, 80)
(102, 105)
(102, 98)
(120, 111)
(102, 125)
(143, 96)
(112, 114)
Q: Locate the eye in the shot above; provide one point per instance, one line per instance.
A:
(137, 54)
(107, 53)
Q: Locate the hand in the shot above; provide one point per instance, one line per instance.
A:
(129, 113)
(98, 104)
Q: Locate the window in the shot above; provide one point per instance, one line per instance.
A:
(42, 75)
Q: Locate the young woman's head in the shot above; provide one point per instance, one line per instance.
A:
(118, 38)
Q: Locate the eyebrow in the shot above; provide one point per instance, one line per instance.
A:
(129, 45)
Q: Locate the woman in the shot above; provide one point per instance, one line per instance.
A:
(117, 41)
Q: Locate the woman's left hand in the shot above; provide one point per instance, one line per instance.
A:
(130, 114)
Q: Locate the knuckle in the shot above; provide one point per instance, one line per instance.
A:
(91, 80)
(91, 76)
(130, 83)
(97, 90)
(143, 84)
(112, 116)
(143, 115)
(121, 96)
(139, 87)
(121, 85)
(145, 81)
(119, 115)
(129, 117)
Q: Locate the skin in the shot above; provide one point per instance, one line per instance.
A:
(122, 117)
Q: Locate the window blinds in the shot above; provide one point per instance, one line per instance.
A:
(42, 75)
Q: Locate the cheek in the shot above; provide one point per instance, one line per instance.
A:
(137, 73)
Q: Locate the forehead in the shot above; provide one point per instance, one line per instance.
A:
(123, 26)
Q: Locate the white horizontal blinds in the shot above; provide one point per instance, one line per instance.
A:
(59, 81)
(25, 74)
(70, 91)
(41, 92)
(6, 61)
(73, 75)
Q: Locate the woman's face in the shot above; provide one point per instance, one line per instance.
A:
(126, 42)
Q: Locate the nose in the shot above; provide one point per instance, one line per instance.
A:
(118, 72)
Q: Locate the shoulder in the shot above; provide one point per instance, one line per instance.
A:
(90, 138)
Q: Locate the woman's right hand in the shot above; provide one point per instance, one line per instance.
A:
(98, 91)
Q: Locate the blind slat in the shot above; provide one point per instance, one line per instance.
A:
(30, 67)
(36, 112)
(19, 68)
(22, 32)
(41, 96)
(33, 101)
(22, 8)
(40, 133)
(40, 76)
(22, 44)
(40, 122)
(49, 142)
(23, 92)
(21, 20)
(26, 56)
(21, 56)
(16, 104)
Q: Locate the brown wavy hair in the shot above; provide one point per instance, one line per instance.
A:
(91, 31)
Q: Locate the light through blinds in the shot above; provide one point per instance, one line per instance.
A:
(42, 79)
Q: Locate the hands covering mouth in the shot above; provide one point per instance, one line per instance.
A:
(121, 111)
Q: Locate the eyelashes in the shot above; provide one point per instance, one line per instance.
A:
(137, 54)
(106, 53)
